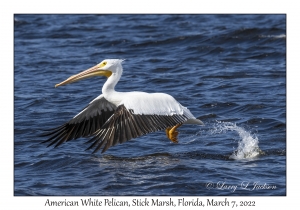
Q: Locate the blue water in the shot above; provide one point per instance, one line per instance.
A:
(229, 70)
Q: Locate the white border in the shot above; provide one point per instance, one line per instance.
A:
(9, 8)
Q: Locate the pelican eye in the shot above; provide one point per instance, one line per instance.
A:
(102, 64)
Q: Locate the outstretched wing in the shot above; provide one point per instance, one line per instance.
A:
(128, 123)
(84, 124)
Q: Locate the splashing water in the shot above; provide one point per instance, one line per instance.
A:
(247, 146)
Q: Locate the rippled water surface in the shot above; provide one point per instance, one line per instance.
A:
(229, 70)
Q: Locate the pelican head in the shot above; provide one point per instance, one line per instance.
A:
(106, 68)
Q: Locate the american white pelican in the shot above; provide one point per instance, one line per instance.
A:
(116, 117)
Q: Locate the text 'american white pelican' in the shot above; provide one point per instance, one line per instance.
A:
(116, 117)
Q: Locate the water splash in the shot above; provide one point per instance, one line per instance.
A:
(247, 146)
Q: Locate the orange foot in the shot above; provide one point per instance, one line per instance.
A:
(172, 133)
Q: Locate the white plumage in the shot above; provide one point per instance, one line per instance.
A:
(152, 103)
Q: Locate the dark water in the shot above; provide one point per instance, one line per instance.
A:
(229, 70)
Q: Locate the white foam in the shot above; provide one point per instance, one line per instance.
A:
(281, 36)
(248, 143)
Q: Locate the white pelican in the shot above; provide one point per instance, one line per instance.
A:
(116, 117)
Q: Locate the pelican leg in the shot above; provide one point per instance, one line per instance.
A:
(172, 133)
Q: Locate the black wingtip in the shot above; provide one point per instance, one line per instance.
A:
(96, 150)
